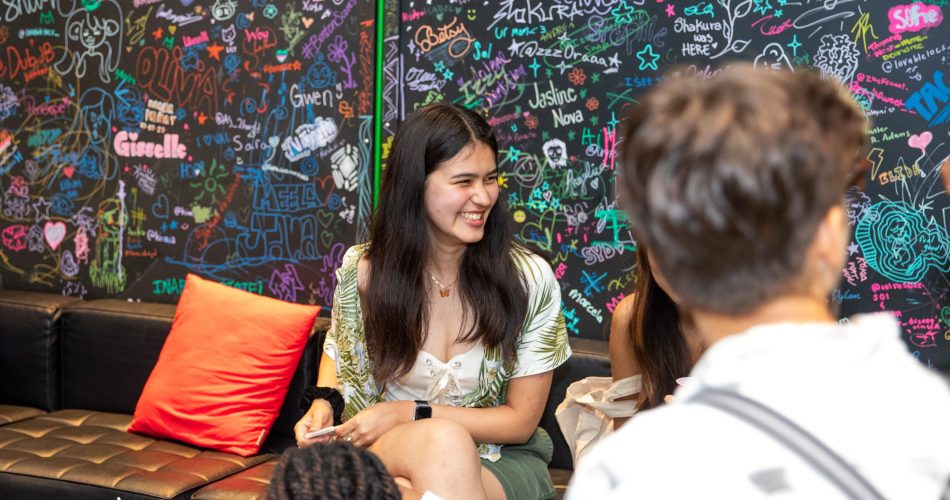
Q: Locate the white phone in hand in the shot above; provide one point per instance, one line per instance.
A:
(321, 432)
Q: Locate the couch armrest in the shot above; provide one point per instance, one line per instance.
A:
(30, 348)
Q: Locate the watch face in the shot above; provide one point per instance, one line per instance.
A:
(423, 410)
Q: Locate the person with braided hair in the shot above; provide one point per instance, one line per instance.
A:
(335, 470)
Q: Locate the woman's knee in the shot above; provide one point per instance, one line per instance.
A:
(445, 435)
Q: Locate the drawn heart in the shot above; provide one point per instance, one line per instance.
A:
(55, 233)
(249, 16)
(325, 222)
(68, 171)
(160, 207)
(920, 141)
(172, 29)
(541, 236)
(324, 218)
(323, 180)
(326, 238)
(307, 21)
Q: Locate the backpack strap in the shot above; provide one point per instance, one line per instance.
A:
(820, 457)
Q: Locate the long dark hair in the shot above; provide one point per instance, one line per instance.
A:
(492, 290)
(659, 344)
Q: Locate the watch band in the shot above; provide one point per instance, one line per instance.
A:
(423, 410)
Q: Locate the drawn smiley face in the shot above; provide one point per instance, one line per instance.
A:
(92, 32)
(223, 10)
(555, 150)
(92, 36)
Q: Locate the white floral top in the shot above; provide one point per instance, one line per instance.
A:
(542, 344)
(436, 381)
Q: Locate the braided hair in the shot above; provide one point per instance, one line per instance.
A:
(335, 470)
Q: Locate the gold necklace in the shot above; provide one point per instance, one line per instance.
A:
(443, 289)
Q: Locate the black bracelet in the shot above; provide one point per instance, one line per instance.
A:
(330, 395)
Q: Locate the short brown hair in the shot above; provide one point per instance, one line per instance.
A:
(728, 178)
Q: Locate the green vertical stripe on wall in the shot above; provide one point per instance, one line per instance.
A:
(378, 108)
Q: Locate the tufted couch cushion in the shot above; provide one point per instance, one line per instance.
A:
(110, 347)
(93, 357)
(93, 448)
(250, 484)
(10, 413)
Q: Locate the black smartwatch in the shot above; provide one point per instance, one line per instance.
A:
(423, 410)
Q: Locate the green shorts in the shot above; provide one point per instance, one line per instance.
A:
(522, 469)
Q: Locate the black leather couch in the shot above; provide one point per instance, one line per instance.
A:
(71, 372)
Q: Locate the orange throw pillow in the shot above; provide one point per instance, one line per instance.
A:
(225, 368)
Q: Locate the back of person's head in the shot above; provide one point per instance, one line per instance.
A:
(335, 470)
(729, 178)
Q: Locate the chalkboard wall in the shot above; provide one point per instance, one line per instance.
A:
(557, 77)
(141, 140)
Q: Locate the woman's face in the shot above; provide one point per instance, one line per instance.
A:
(459, 194)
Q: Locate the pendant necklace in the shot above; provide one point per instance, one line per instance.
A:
(444, 290)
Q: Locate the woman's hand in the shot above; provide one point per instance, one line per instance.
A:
(319, 416)
(371, 423)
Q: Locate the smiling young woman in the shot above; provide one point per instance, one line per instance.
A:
(459, 196)
(444, 331)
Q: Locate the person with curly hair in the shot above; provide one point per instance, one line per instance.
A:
(334, 470)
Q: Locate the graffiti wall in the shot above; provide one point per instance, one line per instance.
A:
(557, 77)
(141, 140)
